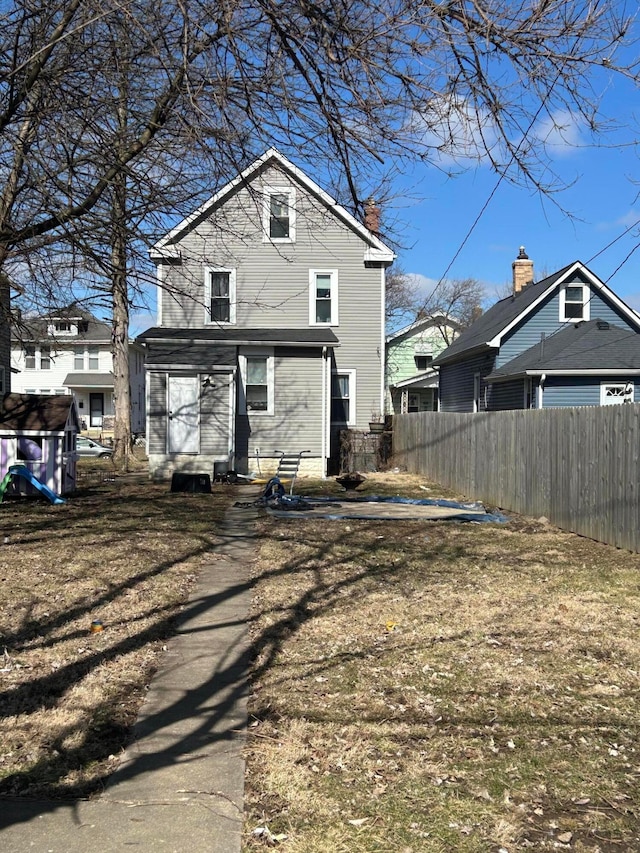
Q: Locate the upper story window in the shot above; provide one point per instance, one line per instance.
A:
(78, 360)
(220, 295)
(45, 358)
(574, 303)
(94, 358)
(30, 357)
(279, 214)
(323, 297)
(423, 361)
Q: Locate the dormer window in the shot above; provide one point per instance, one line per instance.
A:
(574, 303)
(279, 214)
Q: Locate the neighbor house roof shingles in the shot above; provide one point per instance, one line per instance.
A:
(594, 345)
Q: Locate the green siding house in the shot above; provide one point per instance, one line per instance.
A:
(411, 383)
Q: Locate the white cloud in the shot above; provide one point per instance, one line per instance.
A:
(627, 220)
(560, 133)
(454, 131)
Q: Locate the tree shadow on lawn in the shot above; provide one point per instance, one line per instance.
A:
(212, 703)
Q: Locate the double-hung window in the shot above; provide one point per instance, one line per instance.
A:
(29, 357)
(343, 397)
(78, 360)
(94, 358)
(220, 295)
(279, 214)
(574, 303)
(45, 358)
(257, 371)
(323, 297)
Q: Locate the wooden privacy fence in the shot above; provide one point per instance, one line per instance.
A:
(579, 467)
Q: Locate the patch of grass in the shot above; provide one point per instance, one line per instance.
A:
(124, 551)
(439, 686)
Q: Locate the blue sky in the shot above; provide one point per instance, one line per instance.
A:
(602, 181)
(431, 213)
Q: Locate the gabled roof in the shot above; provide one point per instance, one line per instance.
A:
(37, 328)
(376, 249)
(432, 321)
(489, 329)
(594, 346)
(235, 336)
(36, 412)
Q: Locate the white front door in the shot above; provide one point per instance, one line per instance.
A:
(184, 428)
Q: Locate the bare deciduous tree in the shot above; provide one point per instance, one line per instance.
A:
(355, 85)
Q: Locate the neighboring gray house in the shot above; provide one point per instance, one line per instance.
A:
(69, 352)
(270, 332)
(567, 340)
(411, 381)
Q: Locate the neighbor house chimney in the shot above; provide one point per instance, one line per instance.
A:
(372, 216)
(522, 271)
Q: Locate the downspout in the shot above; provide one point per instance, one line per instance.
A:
(383, 348)
(543, 378)
(323, 442)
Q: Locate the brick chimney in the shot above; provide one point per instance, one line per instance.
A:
(522, 271)
(372, 216)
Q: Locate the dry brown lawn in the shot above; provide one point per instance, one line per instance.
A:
(415, 686)
(122, 551)
(430, 686)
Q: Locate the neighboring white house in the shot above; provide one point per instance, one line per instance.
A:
(69, 352)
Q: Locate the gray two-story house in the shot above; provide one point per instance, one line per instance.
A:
(270, 328)
(567, 340)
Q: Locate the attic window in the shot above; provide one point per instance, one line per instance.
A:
(574, 303)
(279, 214)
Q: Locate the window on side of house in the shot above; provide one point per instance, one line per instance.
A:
(220, 295)
(279, 214)
(29, 357)
(343, 397)
(94, 358)
(323, 297)
(257, 371)
(45, 358)
(614, 393)
(78, 360)
(423, 361)
(574, 303)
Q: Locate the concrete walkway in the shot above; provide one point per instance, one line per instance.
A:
(179, 786)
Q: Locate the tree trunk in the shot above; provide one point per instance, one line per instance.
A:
(120, 335)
